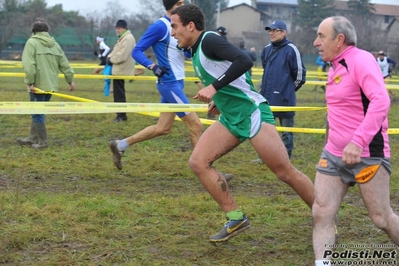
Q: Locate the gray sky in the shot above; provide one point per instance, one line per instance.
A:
(132, 5)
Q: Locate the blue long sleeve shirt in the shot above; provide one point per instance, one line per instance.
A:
(165, 48)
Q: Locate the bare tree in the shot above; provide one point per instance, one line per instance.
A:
(89, 28)
(361, 17)
(152, 9)
(10, 20)
(100, 23)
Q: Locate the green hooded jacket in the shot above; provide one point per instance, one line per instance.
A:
(42, 60)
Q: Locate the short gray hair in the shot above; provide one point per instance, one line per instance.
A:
(342, 25)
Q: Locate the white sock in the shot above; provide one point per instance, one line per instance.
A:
(122, 145)
(322, 263)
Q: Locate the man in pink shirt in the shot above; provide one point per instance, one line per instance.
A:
(357, 149)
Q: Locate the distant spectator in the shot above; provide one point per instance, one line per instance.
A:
(284, 73)
(321, 69)
(122, 63)
(251, 53)
(222, 31)
(387, 65)
(42, 60)
(102, 55)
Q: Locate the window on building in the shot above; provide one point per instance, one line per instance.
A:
(386, 19)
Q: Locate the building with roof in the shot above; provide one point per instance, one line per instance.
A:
(386, 18)
(242, 18)
(285, 10)
(247, 22)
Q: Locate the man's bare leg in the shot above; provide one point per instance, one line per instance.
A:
(215, 142)
(273, 153)
(162, 127)
(376, 197)
(194, 125)
(329, 192)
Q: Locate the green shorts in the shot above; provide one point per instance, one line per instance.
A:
(250, 126)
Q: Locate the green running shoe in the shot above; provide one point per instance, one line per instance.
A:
(230, 229)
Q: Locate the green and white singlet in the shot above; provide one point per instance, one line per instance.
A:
(238, 102)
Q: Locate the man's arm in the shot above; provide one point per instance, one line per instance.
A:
(29, 63)
(66, 68)
(220, 49)
(153, 34)
(367, 73)
(105, 48)
(298, 70)
(252, 53)
(392, 62)
(263, 56)
(123, 51)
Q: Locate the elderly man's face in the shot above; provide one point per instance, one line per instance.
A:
(119, 30)
(328, 48)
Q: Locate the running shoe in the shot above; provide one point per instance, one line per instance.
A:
(230, 229)
(116, 153)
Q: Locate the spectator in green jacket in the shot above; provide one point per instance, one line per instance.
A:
(42, 59)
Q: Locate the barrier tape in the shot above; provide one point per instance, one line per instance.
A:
(147, 78)
(85, 106)
(94, 107)
(255, 70)
(91, 106)
(149, 109)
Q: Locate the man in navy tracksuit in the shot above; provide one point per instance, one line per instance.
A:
(284, 73)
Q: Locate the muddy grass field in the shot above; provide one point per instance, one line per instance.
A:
(69, 205)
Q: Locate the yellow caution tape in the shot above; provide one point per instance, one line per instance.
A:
(94, 107)
(296, 108)
(157, 114)
(146, 78)
(84, 106)
(90, 106)
(301, 130)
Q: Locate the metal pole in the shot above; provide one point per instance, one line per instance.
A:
(218, 17)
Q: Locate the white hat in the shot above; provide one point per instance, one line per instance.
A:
(99, 39)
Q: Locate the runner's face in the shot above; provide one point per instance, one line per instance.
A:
(182, 34)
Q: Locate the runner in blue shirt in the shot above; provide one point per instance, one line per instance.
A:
(170, 72)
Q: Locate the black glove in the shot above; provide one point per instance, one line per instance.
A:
(108, 61)
(95, 53)
(159, 71)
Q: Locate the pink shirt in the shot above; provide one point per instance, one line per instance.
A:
(358, 104)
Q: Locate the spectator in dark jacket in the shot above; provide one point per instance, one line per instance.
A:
(284, 73)
(251, 53)
(222, 31)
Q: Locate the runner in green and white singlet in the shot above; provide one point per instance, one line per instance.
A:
(223, 69)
